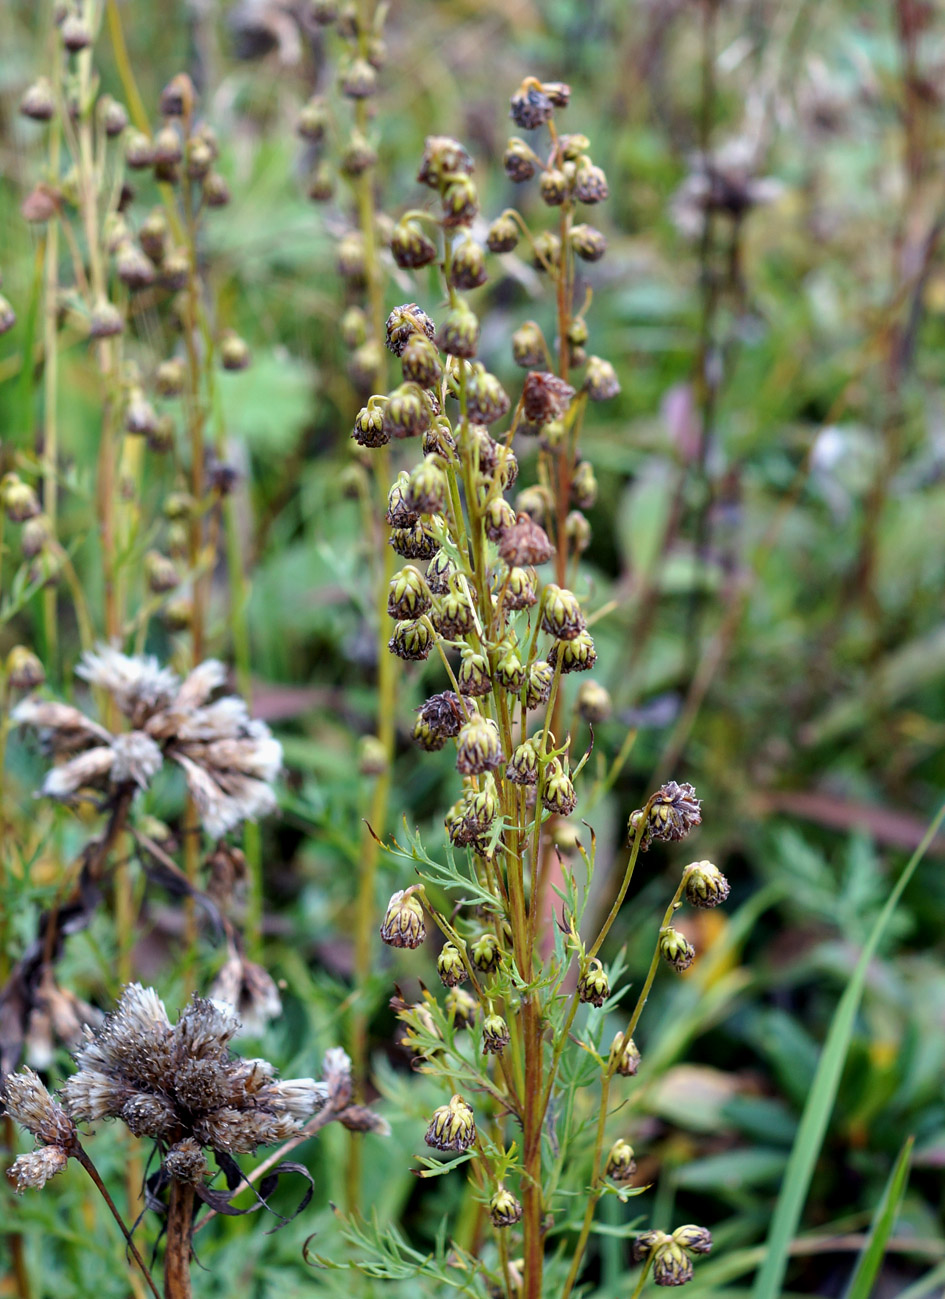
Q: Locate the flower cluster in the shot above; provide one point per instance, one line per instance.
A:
(230, 761)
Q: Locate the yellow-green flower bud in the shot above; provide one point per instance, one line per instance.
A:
(520, 589)
(358, 155)
(577, 655)
(460, 1006)
(160, 573)
(349, 257)
(553, 187)
(412, 640)
(372, 756)
(557, 791)
(178, 614)
(321, 183)
(706, 886)
(697, 1240)
(538, 690)
(497, 516)
(439, 571)
(403, 924)
(523, 764)
(561, 614)
(20, 501)
(473, 675)
(453, 1126)
(453, 615)
(593, 702)
(546, 252)
(467, 265)
(450, 966)
(486, 399)
(411, 246)
(504, 1209)
(584, 486)
(24, 670)
(460, 202)
(519, 161)
(428, 738)
(408, 595)
(528, 345)
(593, 986)
(407, 412)
(600, 379)
(578, 531)
(139, 152)
(312, 121)
(369, 430)
(485, 954)
(621, 1164)
(427, 488)
(170, 378)
(234, 353)
(421, 361)
(198, 158)
(624, 1056)
(671, 1265)
(509, 670)
(645, 1244)
(359, 79)
(442, 157)
(354, 327)
(459, 333)
(589, 244)
(168, 150)
(479, 748)
(503, 234)
(676, 949)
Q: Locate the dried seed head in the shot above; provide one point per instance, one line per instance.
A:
(676, 949)
(600, 380)
(27, 1101)
(403, 924)
(671, 1264)
(561, 614)
(530, 106)
(593, 985)
(495, 1036)
(453, 1126)
(503, 235)
(621, 1164)
(443, 714)
(645, 1244)
(674, 812)
(577, 655)
(186, 1162)
(504, 1209)
(450, 966)
(467, 265)
(706, 886)
(459, 333)
(525, 544)
(624, 1056)
(478, 747)
(545, 397)
(412, 640)
(538, 690)
(37, 1167)
(473, 676)
(519, 161)
(557, 791)
(405, 321)
(442, 157)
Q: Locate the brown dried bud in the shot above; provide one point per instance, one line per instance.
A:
(530, 106)
(589, 244)
(519, 161)
(545, 397)
(525, 544)
(403, 323)
(675, 811)
(590, 183)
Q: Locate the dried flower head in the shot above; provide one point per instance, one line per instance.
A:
(670, 814)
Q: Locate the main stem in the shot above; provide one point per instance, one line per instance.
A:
(180, 1212)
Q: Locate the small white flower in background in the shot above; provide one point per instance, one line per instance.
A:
(230, 761)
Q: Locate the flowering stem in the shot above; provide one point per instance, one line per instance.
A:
(595, 1194)
(79, 1154)
(628, 876)
(654, 963)
(180, 1214)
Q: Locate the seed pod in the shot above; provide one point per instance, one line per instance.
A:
(518, 161)
(528, 345)
(504, 1209)
(442, 157)
(403, 924)
(459, 333)
(561, 614)
(467, 266)
(589, 244)
(577, 655)
(624, 1056)
(503, 235)
(593, 986)
(621, 1164)
(523, 764)
(409, 594)
(676, 949)
(538, 690)
(412, 640)
(411, 246)
(453, 1126)
(473, 676)
(478, 748)
(530, 106)
(706, 886)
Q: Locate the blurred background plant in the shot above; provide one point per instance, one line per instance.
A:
(767, 526)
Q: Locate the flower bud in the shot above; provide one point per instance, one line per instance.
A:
(405, 321)
(140, 415)
(525, 544)
(321, 183)
(403, 924)
(478, 748)
(509, 672)
(216, 192)
(706, 886)
(671, 1264)
(412, 640)
(167, 150)
(415, 542)
(198, 157)
(577, 655)
(546, 252)
(528, 345)
(593, 702)
(369, 430)
(593, 986)
(497, 516)
(24, 670)
(453, 1126)
(473, 676)
(409, 594)
(674, 811)
(34, 537)
(372, 756)
(676, 949)
(553, 187)
(584, 486)
(161, 437)
(19, 500)
(519, 161)
(530, 106)
(545, 397)
(590, 183)
(105, 321)
(459, 333)
(133, 268)
(504, 1209)
(697, 1240)
(407, 411)
(467, 265)
(538, 690)
(410, 246)
(160, 573)
(358, 155)
(503, 235)
(646, 1243)
(427, 488)
(442, 157)
(139, 152)
(559, 92)
(312, 121)
(453, 615)
(624, 1056)
(561, 614)
(485, 955)
(170, 377)
(428, 739)
(76, 33)
(523, 764)
(578, 531)
(621, 1164)
(38, 101)
(600, 379)
(460, 1006)
(450, 966)
(359, 79)
(421, 361)
(400, 513)
(439, 571)
(557, 792)
(349, 257)
(486, 399)
(535, 501)
(589, 244)
(460, 202)
(153, 235)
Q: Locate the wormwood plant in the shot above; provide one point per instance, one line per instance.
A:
(533, 1085)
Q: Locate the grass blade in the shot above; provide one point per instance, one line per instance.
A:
(820, 1102)
(870, 1260)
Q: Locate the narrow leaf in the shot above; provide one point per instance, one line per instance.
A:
(884, 1220)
